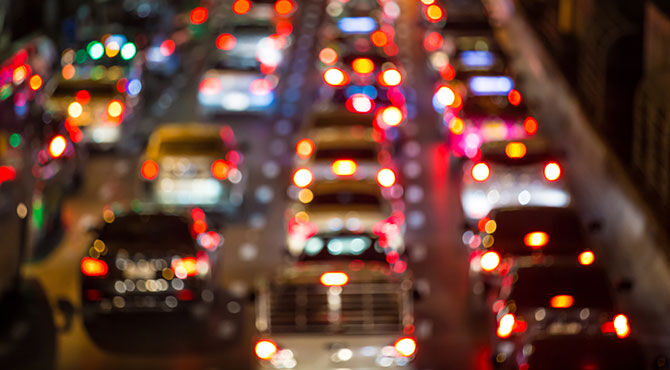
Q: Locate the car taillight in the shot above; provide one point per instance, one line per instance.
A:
(149, 169)
(344, 167)
(433, 13)
(57, 146)
(514, 97)
(328, 56)
(586, 258)
(335, 77)
(334, 279)
(220, 169)
(210, 86)
(363, 65)
(391, 116)
(552, 171)
(433, 41)
(505, 325)
(184, 267)
(480, 172)
(115, 108)
(359, 103)
(390, 77)
(561, 301)
(530, 125)
(226, 41)
(445, 96)
(515, 149)
(406, 347)
(7, 173)
(264, 349)
(386, 177)
(304, 148)
(302, 177)
(536, 239)
(621, 326)
(93, 267)
(489, 261)
(379, 38)
(241, 6)
(283, 7)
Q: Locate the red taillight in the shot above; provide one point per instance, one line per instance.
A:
(82, 96)
(433, 41)
(328, 56)
(489, 261)
(302, 177)
(390, 77)
(481, 172)
(536, 239)
(334, 279)
(184, 267)
(335, 77)
(360, 103)
(386, 177)
(621, 326)
(225, 41)
(586, 258)
(149, 169)
(561, 301)
(220, 169)
(344, 167)
(167, 48)
(530, 125)
(199, 15)
(264, 349)
(514, 97)
(304, 148)
(379, 38)
(93, 267)
(241, 6)
(552, 171)
(283, 7)
(210, 86)
(506, 326)
(7, 173)
(57, 146)
(406, 347)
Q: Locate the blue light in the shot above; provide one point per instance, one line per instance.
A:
(368, 90)
(357, 25)
(134, 87)
(491, 85)
(476, 58)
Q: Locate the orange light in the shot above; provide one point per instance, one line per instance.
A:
(241, 6)
(379, 38)
(115, 108)
(405, 346)
(386, 177)
(344, 167)
(328, 56)
(35, 82)
(93, 267)
(264, 349)
(184, 267)
(561, 301)
(456, 126)
(586, 258)
(363, 65)
(335, 77)
(434, 13)
(57, 146)
(552, 171)
(489, 261)
(199, 15)
(621, 326)
(225, 41)
(480, 172)
(515, 149)
(68, 71)
(391, 77)
(334, 279)
(536, 239)
(220, 169)
(304, 148)
(530, 125)
(302, 177)
(283, 7)
(506, 325)
(20, 74)
(433, 41)
(149, 169)
(392, 116)
(514, 97)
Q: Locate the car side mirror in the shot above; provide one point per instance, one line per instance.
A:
(66, 308)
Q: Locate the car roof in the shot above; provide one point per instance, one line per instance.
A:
(331, 187)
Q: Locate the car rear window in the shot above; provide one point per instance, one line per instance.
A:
(345, 198)
(192, 146)
(346, 153)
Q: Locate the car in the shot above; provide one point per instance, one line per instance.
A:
(555, 300)
(525, 236)
(144, 269)
(193, 164)
(328, 315)
(343, 206)
(514, 173)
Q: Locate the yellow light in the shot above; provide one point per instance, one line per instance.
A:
(57, 146)
(561, 301)
(621, 326)
(335, 77)
(386, 177)
(490, 226)
(391, 77)
(20, 74)
(334, 279)
(456, 126)
(392, 116)
(35, 82)
(344, 167)
(305, 196)
(304, 148)
(68, 71)
(115, 108)
(75, 109)
(405, 346)
(434, 13)
(552, 171)
(515, 150)
(112, 49)
(506, 325)
(586, 258)
(536, 239)
(489, 261)
(363, 65)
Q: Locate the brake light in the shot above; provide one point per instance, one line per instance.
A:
(621, 326)
(184, 267)
(334, 279)
(480, 172)
(445, 96)
(328, 56)
(378, 38)
(489, 261)
(586, 258)
(167, 47)
(75, 109)
(405, 346)
(283, 7)
(506, 325)
(344, 167)
(82, 96)
(7, 173)
(391, 116)
(552, 171)
(433, 41)
(149, 169)
(390, 77)
(210, 86)
(226, 41)
(199, 15)
(386, 177)
(561, 301)
(304, 148)
(115, 108)
(220, 169)
(360, 103)
(264, 349)
(530, 125)
(302, 177)
(363, 65)
(536, 239)
(57, 146)
(434, 13)
(93, 267)
(515, 150)
(241, 6)
(335, 77)
(514, 97)
(35, 82)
